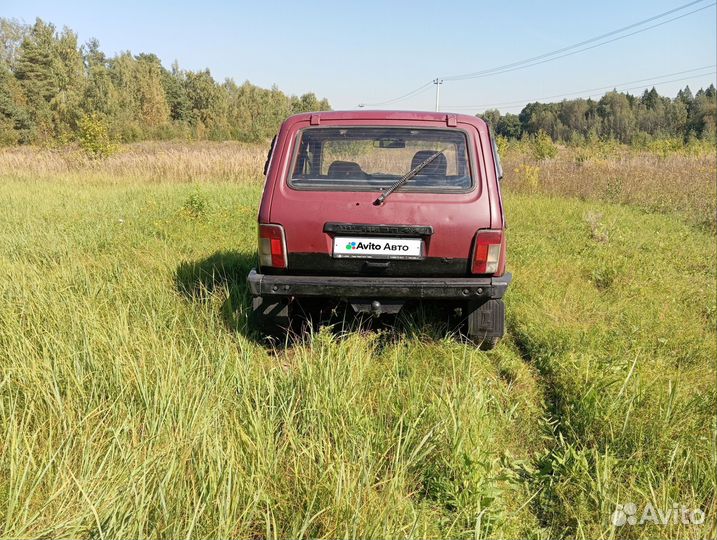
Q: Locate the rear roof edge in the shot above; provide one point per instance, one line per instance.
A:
(425, 116)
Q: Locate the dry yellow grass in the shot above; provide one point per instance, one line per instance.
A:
(674, 183)
(148, 161)
(677, 182)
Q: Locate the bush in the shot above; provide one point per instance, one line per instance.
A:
(94, 136)
(196, 205)
(641, 140)
(503, 144)
(665, 147)
(577, 140)
(543, 147)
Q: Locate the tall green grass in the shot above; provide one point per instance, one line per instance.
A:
(616, 310)
(135, 402)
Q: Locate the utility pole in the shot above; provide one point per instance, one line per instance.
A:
(438, 82)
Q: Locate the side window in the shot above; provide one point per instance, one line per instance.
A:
(496, 157)
(268, 155)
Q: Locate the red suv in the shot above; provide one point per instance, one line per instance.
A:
(376, 208)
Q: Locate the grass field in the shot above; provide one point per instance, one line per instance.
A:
(135, 402)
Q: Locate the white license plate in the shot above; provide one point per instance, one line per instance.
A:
(379, 247)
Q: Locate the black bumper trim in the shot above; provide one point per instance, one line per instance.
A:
(377, 287)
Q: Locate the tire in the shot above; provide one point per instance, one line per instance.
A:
(270, 316)
(488, 344)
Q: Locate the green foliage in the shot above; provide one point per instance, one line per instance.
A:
(492, 116)
(12, 34)
(503, 143)
(48, 84)
(50, 71)
(196, 205)
(13, 115)
(543, 147)
(619, 116)
(509, 126)
(665, 147)
(94, 136)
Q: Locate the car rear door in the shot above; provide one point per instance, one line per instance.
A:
(342, 232)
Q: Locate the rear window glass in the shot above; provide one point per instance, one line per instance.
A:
(373, 158)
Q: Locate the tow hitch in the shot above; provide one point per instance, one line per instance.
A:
(377, 307)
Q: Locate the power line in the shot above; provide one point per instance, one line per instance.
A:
(622, 89)
(543, 58)
(506, 69)
(399, 98)
(652, 80)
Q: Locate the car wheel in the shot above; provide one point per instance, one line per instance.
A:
(488, 344)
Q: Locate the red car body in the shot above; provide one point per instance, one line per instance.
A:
(448, 223)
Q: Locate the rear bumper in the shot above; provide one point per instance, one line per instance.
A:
(378, 287)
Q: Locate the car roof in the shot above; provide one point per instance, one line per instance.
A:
(387, 115)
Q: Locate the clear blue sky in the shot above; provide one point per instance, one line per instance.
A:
(370, 51)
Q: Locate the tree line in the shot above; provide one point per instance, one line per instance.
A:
(617, 115)
(52, 90)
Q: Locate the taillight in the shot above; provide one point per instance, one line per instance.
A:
(486, 252)
(272, 246)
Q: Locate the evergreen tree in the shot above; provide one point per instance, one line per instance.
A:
(14, 120)
(35, 71)
(100, 95)
(69, 71)
(174, 83)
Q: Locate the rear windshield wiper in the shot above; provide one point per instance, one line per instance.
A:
(405, 178)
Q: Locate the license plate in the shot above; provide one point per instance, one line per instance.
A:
(379, 247)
